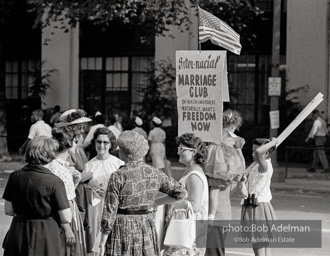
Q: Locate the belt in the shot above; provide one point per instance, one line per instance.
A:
(33, 218)
(132, 212)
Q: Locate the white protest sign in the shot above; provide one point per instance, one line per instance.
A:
(274, 119)
(301, 117)
(225, 85)
(274, 86)
(199, 85)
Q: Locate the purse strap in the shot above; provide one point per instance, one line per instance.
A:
(189, 210)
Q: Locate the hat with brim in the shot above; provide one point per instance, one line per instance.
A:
(71, 117)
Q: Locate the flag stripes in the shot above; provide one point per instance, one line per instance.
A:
(214, 29)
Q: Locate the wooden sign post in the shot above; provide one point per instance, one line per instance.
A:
(301, 117)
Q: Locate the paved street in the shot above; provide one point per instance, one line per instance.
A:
(290, 203)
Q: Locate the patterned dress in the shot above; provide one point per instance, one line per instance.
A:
(134, 187)
(61, 169)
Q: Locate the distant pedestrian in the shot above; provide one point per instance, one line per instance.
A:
(138, 127)
(112, 127)
(119, 122)
(319, 133)
(38, 128)
(56, 115)
(4, 154)
(131, 121)
(156, 140)
(37, 200)
(99, 122)
(256, 205)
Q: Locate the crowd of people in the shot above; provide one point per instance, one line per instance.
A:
(95, 194)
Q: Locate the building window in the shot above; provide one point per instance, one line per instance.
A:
(247, 78)
(111, 84)
(19, 75)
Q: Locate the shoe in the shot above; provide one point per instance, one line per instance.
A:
(310, 170)
(326, 171)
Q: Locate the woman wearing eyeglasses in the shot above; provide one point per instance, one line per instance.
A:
(101, 166)
(193, 153)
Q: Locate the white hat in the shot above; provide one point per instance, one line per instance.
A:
(156, 120)
(72, 116)
(138, 121)
(98, 113)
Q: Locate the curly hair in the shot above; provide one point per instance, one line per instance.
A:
(191, 141)
(105, 131)
(262, 141)
(62, 138)
(232, 117)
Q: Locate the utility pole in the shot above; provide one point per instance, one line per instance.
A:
(275, 64)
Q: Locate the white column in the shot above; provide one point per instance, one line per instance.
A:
(60, 51)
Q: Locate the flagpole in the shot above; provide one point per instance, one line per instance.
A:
(199, 43)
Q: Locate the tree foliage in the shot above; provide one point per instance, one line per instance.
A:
(151, 16)
(159, 96)
(238, 14)
(40, 83)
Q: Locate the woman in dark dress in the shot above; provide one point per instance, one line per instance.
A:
(37, 200)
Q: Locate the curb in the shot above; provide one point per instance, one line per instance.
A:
(278, 187)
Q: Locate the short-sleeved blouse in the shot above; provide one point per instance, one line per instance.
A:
(157, 135)
(35, 192)
(102, 169)
(135, 186)
(62, 170)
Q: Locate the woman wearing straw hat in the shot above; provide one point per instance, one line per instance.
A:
(73, 122)
(128, 225)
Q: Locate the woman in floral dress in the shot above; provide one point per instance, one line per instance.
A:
(74, 242)
(128, 225)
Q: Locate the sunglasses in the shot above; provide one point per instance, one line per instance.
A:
(182, 149)
(99, 142)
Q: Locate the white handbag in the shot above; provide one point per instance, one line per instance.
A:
(181, 231)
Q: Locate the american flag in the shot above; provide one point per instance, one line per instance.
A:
(211, 27)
